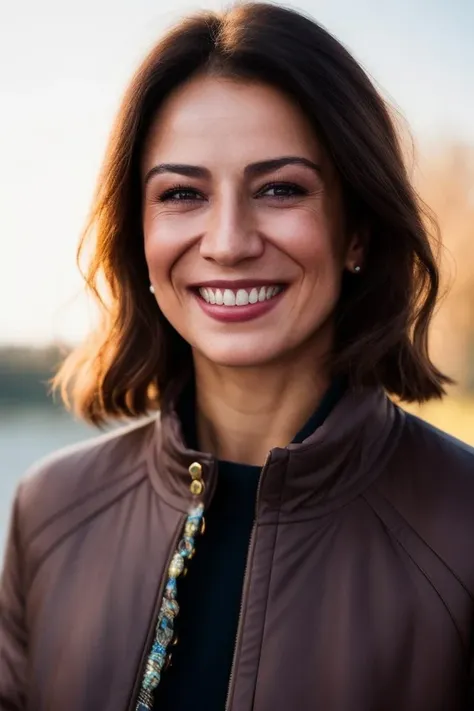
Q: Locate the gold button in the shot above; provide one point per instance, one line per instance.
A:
(197, 487)
(195, 470)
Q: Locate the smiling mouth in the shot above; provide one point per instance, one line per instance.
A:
(239, 297)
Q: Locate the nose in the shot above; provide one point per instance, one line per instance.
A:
(230, 236)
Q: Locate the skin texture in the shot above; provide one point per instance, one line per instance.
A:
(258, 380)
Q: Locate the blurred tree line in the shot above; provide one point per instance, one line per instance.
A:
(444, 178)
(445, 181)
(25, 374)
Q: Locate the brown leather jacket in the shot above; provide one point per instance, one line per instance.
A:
(359, 587)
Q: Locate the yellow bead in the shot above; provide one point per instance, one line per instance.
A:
(176, 566)
(191, 528)
(197, 487)
(195, 470)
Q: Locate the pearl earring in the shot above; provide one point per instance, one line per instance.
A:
(152, 288)
(357, 269)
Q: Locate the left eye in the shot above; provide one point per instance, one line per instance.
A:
(281, 190)
(180, 193)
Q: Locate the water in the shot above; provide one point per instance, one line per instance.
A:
(27, 434)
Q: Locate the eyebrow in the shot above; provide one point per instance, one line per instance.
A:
(252, 170)
(267, 166)
(190, 171)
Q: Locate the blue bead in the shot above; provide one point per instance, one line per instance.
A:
(171, 587)
(186, 547)
(158, 649)
(166, 623)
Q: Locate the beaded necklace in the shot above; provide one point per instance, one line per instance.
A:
(158, 657)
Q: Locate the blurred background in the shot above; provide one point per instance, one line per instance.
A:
(63, 69)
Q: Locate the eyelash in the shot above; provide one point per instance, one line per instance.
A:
(169, 194)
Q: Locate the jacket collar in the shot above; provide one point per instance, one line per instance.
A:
(325, 471)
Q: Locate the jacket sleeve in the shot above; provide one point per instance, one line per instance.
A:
(470, 701)
(13, 634)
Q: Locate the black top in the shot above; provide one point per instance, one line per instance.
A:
(210, 595)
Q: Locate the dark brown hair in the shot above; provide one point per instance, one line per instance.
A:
(383, 315)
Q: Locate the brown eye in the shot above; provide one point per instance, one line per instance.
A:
(282, 191)
(180, 194)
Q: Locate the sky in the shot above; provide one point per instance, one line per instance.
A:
(63, 70)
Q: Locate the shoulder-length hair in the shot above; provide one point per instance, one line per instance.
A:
(383, 315)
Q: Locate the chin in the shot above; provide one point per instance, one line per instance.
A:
(241, 355)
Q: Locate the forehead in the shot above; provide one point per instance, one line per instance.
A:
(212, 120)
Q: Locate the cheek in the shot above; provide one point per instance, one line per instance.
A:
(306, 236)
(164, 243)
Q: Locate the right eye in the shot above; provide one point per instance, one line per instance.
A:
(180, 194)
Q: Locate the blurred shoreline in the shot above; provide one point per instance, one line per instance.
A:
(25, 375)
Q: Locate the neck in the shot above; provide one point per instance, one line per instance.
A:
(242, 413)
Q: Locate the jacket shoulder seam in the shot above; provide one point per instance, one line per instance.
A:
(415, 532)
(69, 507)
(422, 570)
(94, 514)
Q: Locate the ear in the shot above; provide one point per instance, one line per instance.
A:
(356, 251)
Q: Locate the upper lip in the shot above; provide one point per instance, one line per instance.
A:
(235, 284)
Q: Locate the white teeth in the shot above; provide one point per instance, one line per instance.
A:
(240, 297)
(229, 298)
(253, 296)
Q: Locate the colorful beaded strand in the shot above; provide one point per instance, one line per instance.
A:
(164, 631)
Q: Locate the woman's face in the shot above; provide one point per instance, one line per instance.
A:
(243, 223)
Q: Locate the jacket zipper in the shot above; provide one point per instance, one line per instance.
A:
(244, 588)
(151, 630)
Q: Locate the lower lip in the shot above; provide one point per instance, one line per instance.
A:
(235, 314)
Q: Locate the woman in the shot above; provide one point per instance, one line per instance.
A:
(266, 279)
